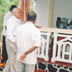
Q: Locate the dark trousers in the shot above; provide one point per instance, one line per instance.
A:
(4, 51)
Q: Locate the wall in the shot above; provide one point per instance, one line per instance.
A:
(63, 8)
(51, 12)
(42, 10)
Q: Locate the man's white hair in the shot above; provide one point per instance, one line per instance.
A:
(14, 10)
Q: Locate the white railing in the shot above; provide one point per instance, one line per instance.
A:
(43, 51)
(62, 49)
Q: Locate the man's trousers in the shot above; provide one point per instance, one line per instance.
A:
(11, 62)
(4, 51)
(22, 67)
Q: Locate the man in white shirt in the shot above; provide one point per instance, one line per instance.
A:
(6, 17)
(12, 24)
(28, 39)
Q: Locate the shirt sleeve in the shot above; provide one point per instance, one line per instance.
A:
(21, 22)
(37, 38)
(4, 21)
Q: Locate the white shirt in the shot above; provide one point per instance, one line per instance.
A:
(27, 36)
(12, 24)
(6, 17)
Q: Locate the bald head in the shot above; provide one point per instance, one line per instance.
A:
(32, 17)
(17, 12)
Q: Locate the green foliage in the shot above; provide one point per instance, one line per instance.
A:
(4, 8)
(0, 27)
(32, 7)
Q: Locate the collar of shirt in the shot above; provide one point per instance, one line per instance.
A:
(31, 23)
(16, 18)
(10, 13)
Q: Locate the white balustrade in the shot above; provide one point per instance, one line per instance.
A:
(42, 51)
(62, 49)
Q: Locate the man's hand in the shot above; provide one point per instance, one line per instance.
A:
(5, 28)
(0, 57)
(21, 59)
(38, 26)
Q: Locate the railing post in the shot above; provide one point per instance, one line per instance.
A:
(42, 52)
(54, 47)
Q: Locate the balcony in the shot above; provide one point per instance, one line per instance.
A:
(55, 50)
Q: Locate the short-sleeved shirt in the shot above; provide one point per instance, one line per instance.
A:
(27, 36)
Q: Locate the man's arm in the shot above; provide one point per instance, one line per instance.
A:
(38, 26)
(30, 50)
(5, 28)
(27, 52)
